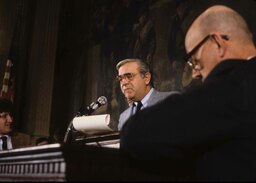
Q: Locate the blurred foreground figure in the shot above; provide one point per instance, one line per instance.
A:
(208, 132)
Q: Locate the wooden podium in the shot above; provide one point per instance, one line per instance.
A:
(111, 140)
(78, 161)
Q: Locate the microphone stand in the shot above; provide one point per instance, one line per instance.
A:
(68, 135)
(83, 111)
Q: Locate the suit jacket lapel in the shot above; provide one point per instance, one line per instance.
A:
(152, 98)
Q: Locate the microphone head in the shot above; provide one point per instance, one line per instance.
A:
(102, 100)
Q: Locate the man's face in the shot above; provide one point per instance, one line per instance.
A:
(203, 56)
(5, 123)
(133, 84)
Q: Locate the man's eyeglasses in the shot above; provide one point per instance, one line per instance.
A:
(126, 76)
(189, 59)
(5, 115)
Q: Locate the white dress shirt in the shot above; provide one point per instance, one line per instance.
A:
(9, 142)
(144, 101)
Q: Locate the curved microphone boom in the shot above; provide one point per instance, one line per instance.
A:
(92, 107)
(84, 111)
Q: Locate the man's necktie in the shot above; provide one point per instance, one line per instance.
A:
(138, 107)
(4, 144)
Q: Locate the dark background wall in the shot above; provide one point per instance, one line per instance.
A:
(65, 51)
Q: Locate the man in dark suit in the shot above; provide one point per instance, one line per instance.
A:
(10, 139)
(210, 130)
(136, 84)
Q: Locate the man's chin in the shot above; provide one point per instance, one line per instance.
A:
(8, 131)
(129, 96)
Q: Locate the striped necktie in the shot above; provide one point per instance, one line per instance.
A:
(138, 107)
(4, 143)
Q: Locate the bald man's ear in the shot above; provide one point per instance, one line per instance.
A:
(221, 43)
(147, 77)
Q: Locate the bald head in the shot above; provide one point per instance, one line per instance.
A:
(220, 19)
(218, 34)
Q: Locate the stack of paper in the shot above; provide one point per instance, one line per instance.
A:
(93, 123)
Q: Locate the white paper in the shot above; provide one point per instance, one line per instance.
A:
(91, 123)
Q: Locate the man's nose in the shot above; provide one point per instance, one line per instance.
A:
(196, 74)
(9, 118)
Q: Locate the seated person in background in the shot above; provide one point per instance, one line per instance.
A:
(136, 84)
(10, 139)
(208, 132)
(58, 135)
(42, 141)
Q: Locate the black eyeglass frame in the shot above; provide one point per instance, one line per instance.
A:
(188, 57)
(128, 76)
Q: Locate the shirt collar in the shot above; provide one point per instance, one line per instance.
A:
(144, 101)
(1, 135)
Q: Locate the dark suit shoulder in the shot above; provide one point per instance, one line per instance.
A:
(20, 140)
(228, 68)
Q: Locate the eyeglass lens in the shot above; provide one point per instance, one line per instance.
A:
(127, 76)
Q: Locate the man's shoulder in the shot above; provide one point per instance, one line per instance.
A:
(232, 68)
(20, 139)
(158, 96)
(165, 94)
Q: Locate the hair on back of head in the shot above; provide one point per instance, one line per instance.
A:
(6, 105)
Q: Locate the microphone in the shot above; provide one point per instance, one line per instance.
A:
(92, 107)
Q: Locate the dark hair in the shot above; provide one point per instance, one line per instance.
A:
(6, 105)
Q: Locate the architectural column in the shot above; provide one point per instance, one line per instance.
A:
(41, 63)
